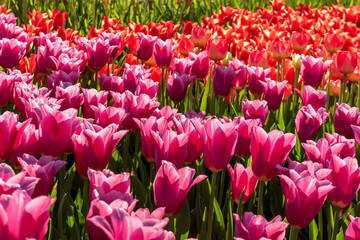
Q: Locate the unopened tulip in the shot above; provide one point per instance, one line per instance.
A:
(280, 49)
(92, 97)
(163, 52)
(335, 87)
(333, 42)
(299, 40)
(200, 36)
(201, 65)
(94, 146)
(44, 169)
(256, 227)
(172, 185)
(257, 75)
(222, 80)
(217, 49)
(345, 177)
(177, 86)
(346, 61)
(240, 77)
(242, 180)
(268, 150)
(345, 116)
(353, 230)
(219, 140)
(259, 59)
(312, 70)
(316, 98)
(308, 122)
(11, 52)
(255, 110)
(146, 47)
(273, 93)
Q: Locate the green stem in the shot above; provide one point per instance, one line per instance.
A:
(296, 81)
(342, 90)
(211, 206)
(283, 70)
(222, 184)
(240, 209)
(336, 223)
(96, 81)
(86, 196)
(352, 93)
(278, 70)
(261, 196)
(293, 233)
(211, 91)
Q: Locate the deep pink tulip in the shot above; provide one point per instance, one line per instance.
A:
(108, 181)
(105, 116)
(94, 146)
(256, 227)
(268, 150)
(257, 75)
(98, 52)
(115, 199)
(71, 96)
(255, 110)
(44, 169)
(19, 212)
(345, 177)
(172, 185)
(222, 80)
(170, 146)
(242, 180)
(146, 47)
(243, 128)
(348, 149)
(68, 64)
(6, 88)
(144, 213)
(353, 230)
(322, 151)
(308, 122)
(273, 93)
(240, 78)
(10, 133)
(316, 98)
(181, 65)
(60, 77)
(136, 107)
(55, 130)
(92, 97)
(112, 82)
(177, 86)
(163, 52)
(201, 65)
(47, 55)
(133, 75)
(219, 140)
(313, 69)
(305, 192)
(11, 52)
(345, 116)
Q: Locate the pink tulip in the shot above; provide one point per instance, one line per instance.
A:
(111, 82)
(255, 110)
(163, 52)
(98, 52)
(257, 75)
(313, 69)
(172, 185)
(316, 98)
(348, 149)
(133, 75)
(47, 55)
(71, 95)
(105, 116)
(308, 122)
(11, 52)
(146, 47)
(273, 93)
(201, 65)
(144, 213)
(268, 150)
(55, 130)
(10, 133)
(345, 116)
(243, 128)
(219, 140)
(181, 65)
(353, 229)
(240, 78)
(93, 97)
(6, 88)
(94, 146)
(254, 227)
(177, 86)
(68, 64)
(19, 212)
(242, 180)
(57, 77)
(305, 193)
(44, 169)
(345, 177)
(108, 181)
(222, 80)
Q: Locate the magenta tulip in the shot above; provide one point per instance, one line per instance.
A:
(313, 69)
(353, 230)
(172, 185)
(6, 88)
(71, 96)
(201, 65)
(105, 116)
(240, 78)
(345, 116)
(11, 52)
(98, 52)
(273, 93)
(348, 149)
(255, 110)
(181, 65)
(257, 75)
(163, 52)
(222, 80)
(146, 47)
(93, 97)
(177, 86)
(316, 98)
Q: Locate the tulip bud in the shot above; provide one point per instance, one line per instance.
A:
(299, 40)
(333, 42)
(346, 61)
(217, 49)
(296, 61)
(200, 36)
(280, 49)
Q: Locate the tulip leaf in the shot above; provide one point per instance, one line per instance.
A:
(203, 225)
(143, 173)
(183, 222)
(313, 230)
(219, 224)
(139, 191)
(69, 179)
(276, 197)
(204, 98)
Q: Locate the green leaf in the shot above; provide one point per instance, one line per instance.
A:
(219, 225)
(204, 98)
(313, 230)
(69, 179)
(183, 222)
(203, 225)
(139, 191)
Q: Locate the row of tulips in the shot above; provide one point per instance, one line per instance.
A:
(135, 100)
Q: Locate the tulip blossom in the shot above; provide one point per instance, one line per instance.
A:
(273, 93)
(19, 212)
(242, 180)
(185, 46)
(299, 40)
(345, 177)
(268, 150)
(308, 122)
(240, 77)
(346, 61)
(345, 116)
(333, 42)
(172, 185)
(44, 169)
(255, 110)
(201, 65)
(257, 75)
(259, 59)
(6, 88)
(177, 86)
(305, 193)
(222, 80)
(200, 36)
(256, 227)
(163, 52)
(312, 70)
(146, 47)
(353, 230)
(316, 98)
(94, 146)
(181, 65)
(348, 149)
(280, 49)
(11, 52)
(93, 97)
(217, 49)
(105, 116)
(335, 87)
(71, 95)
(219, 140)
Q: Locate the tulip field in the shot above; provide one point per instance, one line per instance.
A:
(187, 119)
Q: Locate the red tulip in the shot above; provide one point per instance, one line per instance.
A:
(299, 40)
(333, 42)
(217, 49)
(346, 61)
(200, 36)
(280, 49)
